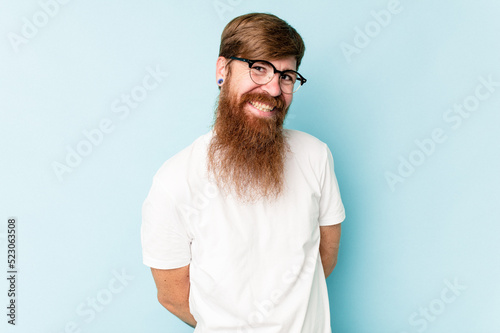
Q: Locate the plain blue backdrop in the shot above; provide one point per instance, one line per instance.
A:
(405, 93)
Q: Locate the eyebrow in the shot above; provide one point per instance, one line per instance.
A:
(284, 70)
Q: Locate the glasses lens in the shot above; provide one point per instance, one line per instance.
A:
(261, 72)
(289, 82)
(297, 85)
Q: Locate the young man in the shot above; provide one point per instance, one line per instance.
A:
(242, 227)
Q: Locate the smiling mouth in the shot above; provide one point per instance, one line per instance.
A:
(262, 107)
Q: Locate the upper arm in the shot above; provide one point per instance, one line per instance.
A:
(165, 239)
(331, 208)
(172, 285)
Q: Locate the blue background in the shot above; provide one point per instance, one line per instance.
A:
(401, 245)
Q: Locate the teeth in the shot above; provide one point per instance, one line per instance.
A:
(262, 107)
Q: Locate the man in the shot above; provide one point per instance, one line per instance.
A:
(242, 228)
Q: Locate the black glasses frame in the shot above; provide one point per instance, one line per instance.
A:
(251, 62)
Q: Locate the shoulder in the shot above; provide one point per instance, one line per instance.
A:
(305, 144)
(183, 162)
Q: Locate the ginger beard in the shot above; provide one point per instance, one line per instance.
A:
(246, 155)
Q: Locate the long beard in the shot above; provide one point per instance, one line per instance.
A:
(246, 155)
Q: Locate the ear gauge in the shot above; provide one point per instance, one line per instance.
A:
(219, 82)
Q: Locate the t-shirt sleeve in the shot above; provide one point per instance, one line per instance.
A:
(331, 209)
(165, 240)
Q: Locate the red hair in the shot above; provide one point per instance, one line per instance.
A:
(261, 36)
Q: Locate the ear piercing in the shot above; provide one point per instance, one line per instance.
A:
(220, 81)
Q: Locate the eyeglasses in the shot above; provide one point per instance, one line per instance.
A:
(262, 72)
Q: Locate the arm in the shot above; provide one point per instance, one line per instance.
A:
(329, 247)
(173, 292)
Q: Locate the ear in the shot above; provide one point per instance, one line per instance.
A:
(221, 69)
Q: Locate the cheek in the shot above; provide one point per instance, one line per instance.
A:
(243, 87)
(243, 81)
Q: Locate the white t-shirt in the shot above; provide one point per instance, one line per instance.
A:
(253, 267)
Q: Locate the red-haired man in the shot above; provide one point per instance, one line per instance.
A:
(242, 227)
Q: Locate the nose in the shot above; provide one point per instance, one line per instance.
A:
(273, 87)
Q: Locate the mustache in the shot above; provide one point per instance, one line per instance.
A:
(277, 102)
